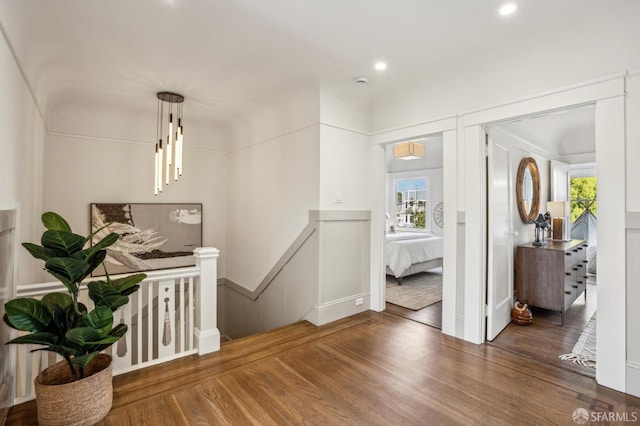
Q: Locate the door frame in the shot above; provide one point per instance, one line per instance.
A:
(608, 96)
(447, 127)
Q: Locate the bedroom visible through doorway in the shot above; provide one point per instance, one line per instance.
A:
(413, 247)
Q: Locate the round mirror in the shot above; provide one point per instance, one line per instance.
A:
(528, 190)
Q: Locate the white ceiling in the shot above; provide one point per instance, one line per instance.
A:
(228, 56)
(560, 133)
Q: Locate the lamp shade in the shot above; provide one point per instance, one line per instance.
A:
(408, 150)
(561, 225)
(559, 208)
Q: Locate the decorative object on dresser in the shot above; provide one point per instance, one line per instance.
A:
(551, 276)
(560, 212)
(541, 223)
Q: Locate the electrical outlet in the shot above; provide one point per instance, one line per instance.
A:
(359, 301)
(337, 198)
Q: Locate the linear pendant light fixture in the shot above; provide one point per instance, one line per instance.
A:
(408, 150)
(168, 159)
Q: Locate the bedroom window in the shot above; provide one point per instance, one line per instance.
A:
(583, 196)
(411, 203)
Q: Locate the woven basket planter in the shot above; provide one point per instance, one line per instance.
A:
(61, 401)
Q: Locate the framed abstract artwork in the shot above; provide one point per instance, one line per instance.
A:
(152, 235)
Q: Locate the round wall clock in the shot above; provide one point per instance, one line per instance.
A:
(438, 215)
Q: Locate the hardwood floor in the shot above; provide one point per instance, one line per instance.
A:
(545, 338)
(371, 368)
(430, 315)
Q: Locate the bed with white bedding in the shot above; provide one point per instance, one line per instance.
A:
(407, 253)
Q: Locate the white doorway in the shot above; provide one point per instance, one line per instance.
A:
(608, 96)
(557, 142)
(451, 320)
(413, 248)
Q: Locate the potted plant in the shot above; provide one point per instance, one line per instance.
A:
(62, 324)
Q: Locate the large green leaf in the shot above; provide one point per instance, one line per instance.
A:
(60, 299)
(27, 315)
(104, 294)
(41, 338)
(70, 285)
(100, 319)
(71, 269)
(128, 285)
(96, 260)
(107, 241)
(64, 241)
(113, 302)
(118, 331)
(83, 360)
(58, 305)
(65, 351)
(53, 221)
(40, 252)
(87, 336)
(88, 254)
(100, 289)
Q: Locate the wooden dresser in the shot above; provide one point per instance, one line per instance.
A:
(551, 276)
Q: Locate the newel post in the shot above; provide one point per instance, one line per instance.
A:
(207, 336)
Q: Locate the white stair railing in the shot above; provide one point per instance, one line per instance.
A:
(164, 320)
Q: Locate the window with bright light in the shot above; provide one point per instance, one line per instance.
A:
(584, 196)
(412, 203)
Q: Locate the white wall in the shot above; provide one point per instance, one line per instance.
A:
(291, 162)
(519, 149)
(271, 188)
(21, 162)
(344, 169)
(273, 182)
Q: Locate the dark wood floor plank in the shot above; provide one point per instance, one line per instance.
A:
(430, 315)
(545, 339)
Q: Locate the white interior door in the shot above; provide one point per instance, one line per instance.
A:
(500, 239)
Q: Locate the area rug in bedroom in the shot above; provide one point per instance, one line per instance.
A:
(416, 292)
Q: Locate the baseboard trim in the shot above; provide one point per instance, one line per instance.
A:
(633, 378)
(338, 309)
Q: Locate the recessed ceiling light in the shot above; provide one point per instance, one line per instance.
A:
(507, 9)
(380, 66)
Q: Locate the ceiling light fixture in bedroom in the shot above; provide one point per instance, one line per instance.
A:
(168, 159)
(508, 9)
(408, 150)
